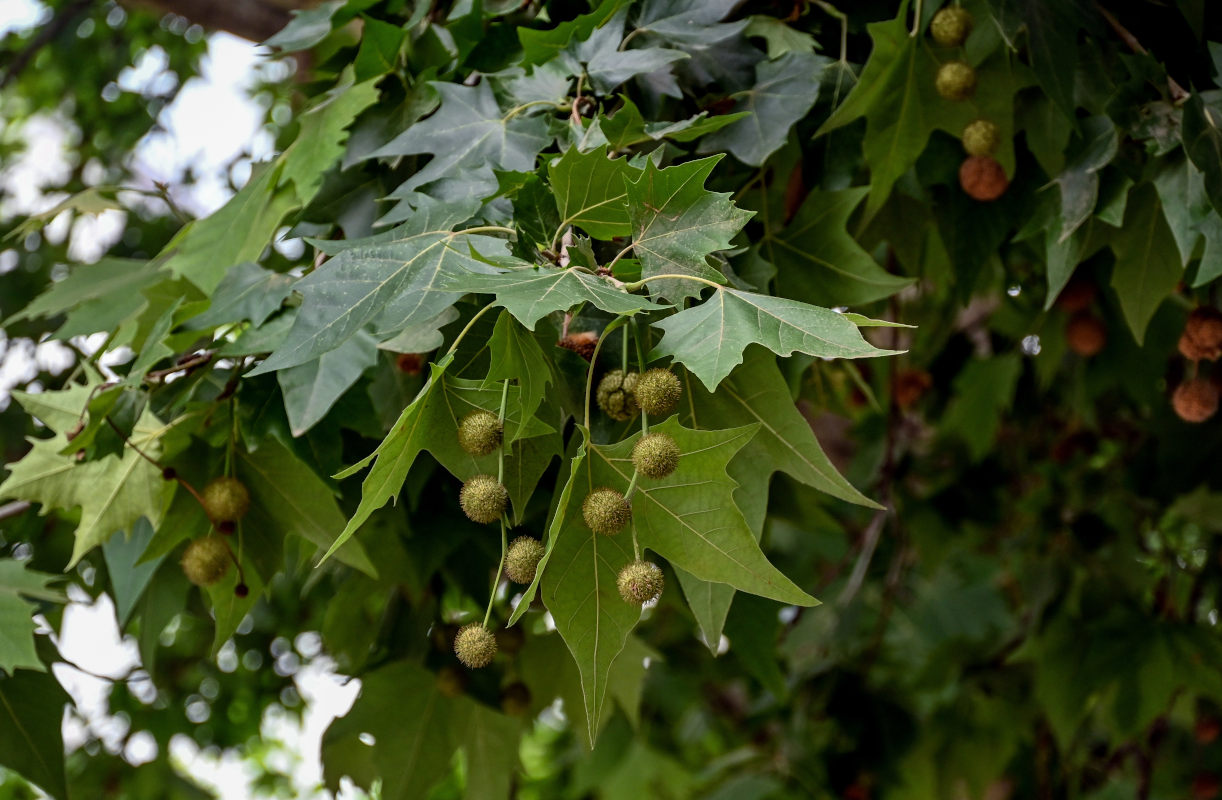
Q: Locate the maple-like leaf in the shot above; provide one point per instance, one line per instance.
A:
(677, 224)
(709, 338)
(591, 193)
(18, 586)
(397, 276)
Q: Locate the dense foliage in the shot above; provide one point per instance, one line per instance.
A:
(709, 308)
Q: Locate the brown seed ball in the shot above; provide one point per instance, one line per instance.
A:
(658, 392)
(1202, 337)
(225, 500)
(1085, 333)
(522, 559)
(515, 699)
(1195, 400)
(480, 433)
(655, 455)
(980, 138)
(451, 681)
(483, 499)
(910, 385)
(640, 582)
(206, 560)
(950, 26)
(606, 511)
(582, 343)
(1077, 294)
(956, 80)
(983, 178)
(617, 395)
(409, 363)
(475, 645)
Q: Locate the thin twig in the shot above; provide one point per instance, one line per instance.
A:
(14, 509)
(1178, 92)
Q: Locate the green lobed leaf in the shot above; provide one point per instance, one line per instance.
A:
(1203, 144)
(515, 355)
(677, 224)
(1147, 261)
(247, 292)
(709, 339)
(532, 293)
(591, 193)
(312, 388)
(19, 586)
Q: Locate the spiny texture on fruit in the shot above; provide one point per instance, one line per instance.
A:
(658, 392)
(655, 455)
(1202, 337)
(480, 433)
(475, 645)
(950, 26)
(1195, 400)
(606, 511)
(522, 559)
(483, 499)
(980, 138)
(1085, 333)
(225, 500)
(206, 560)
(640, 582)
(983, 178)
(582, 343)
(956, 80)
(515, 699)
(617, 394)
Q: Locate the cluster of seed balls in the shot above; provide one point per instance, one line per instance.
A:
(206, 560)
(621, 395)
(980, 175)
(1196, 399)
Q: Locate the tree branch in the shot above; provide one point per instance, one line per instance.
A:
(255, 20)
(44, 37)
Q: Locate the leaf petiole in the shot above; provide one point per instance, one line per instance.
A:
(632, 287)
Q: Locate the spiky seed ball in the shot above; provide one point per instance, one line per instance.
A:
(483, 499)
(617, 395)
(206, 560)
(225, 500)
(1195, 400)
(1085, 333)
(1077, 294)
(950, 26)
(658, 392)
(515, 699)
(606, 511)
(983, 178)
(451, 681)
(980, 138)
(480, 433)
(522, 559)
(655, 455)
(640, 582)
(956, 80)
(1202, 337)
(582, 343)
(475, 645)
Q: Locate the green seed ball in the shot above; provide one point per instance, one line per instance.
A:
(950, 26)
(606, 511)
(480, 433)
(483, 499)
(956, 80)
(980, 138)
(617, 395)
(655, 455)
(206, 560)
(640, 582)
(523, 558)
(658, 392)
(225, 500)
(475, 645)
